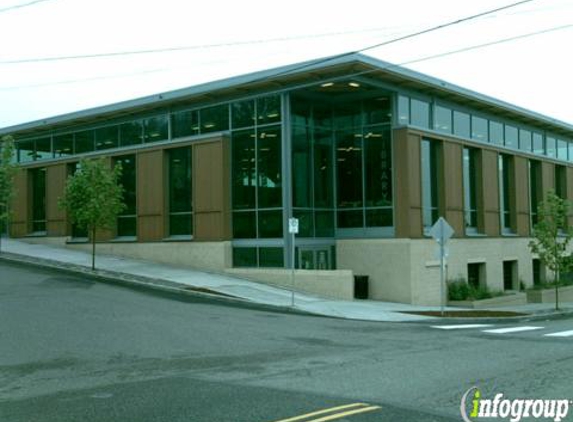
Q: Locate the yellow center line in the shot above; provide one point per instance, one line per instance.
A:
(322, 412)
(343, 414)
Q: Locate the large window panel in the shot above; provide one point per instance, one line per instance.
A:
(377, 110)
(349, 169)
(551, 147)
(180, 191)
(403, 110)
(155, 129)
(505, 166)
(430, 182)
(63, 145)
(127, 220)
(461, 124)
(185, 123)
(496, 135)
(244, 225)
(270, 224)
(214, 119)
(511, 136)
(378, 167)
(243, 114)
(470, 175)
(268, 110)
(269, 167)
(525, 140)
(538, 143)
(479, 129)
(323, 169)
(131, 133)
(420, 113)
(38, 179)
(443, 119)
(84, 141)
(107, 137)
(244, 169)
(302, 167)
(43, 148)
(562, 149)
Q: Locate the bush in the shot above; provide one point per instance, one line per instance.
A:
(460, 290)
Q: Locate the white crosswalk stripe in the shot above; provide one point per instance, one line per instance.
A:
(460, 326)
(560, 334)
(511, 330)
(504, 330)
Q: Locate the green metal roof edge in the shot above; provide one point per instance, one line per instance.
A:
(288, 70)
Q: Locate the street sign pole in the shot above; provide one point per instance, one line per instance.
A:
(293, 230)
(442, 232)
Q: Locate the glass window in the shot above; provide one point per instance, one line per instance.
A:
(324, 223)
(127, 220)
(305, 223)
(43, 148)
(107, 137)
(505, 164)
(461, 124)
(180, 191)
(470, 175)
(403, 110)
(63, 145)
(350, 219)
(131, 133)
(430, 183)
(185, 123)
(347, 115)
(269, 167)
(244, 169)
(561, 149)
(378, 167)
(496, 132)
(243, 114)
(551, 146)
(302, 167)
(561, 181)
(379, 218)
(270, 224)
(538, 144)
(479, 129)
(570, 148)
(525, 140)
(420, 113)
(349, 169)
(245, 257)
(155, 129)
(269, 110)
(301, 111)
(377, 110)
(511, 136)
(443, 119)
(214, 119)
(535, 195)
(38, 179)
(26, 151)
(244, 225)
(271, 258)
(85, 141)
(323, 169)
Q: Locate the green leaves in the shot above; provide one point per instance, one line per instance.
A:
(7, 172)
(93, 197)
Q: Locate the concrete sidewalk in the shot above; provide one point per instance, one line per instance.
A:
(163, 276)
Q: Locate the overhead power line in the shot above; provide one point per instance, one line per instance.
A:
(19, 6)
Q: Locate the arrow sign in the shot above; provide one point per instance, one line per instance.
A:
(441, 231)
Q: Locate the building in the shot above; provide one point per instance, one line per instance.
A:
(367, 155)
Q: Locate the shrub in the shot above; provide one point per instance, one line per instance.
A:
(460, 290)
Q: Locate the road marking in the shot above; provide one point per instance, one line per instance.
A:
(323, 411)
(511, 330)
(561, 334)
(459, 326)
(344, 414)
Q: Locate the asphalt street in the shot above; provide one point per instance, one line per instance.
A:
(72, 349)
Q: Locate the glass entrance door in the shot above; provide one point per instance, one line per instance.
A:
(314, 258)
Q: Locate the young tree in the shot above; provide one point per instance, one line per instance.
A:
(93, 197)
(551, 237)
(7, 172)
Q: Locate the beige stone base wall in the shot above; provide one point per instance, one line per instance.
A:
(407, 270)
(336, 284)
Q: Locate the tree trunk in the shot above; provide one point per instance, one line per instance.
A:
(93, 248)
(557, 277)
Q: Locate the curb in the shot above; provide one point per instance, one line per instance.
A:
(538, 316)
(136, 282)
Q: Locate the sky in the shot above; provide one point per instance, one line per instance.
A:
(217, 39)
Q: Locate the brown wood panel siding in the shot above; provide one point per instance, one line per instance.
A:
(150, 196)
(521, 174)
(569, 177)
(55, 184)
(547, 178)
(407, 192)
(211, 190)
(490, 182)
(453, 186)
(20, 224)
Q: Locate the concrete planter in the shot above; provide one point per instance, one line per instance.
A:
(514, 299)
(548, 295)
